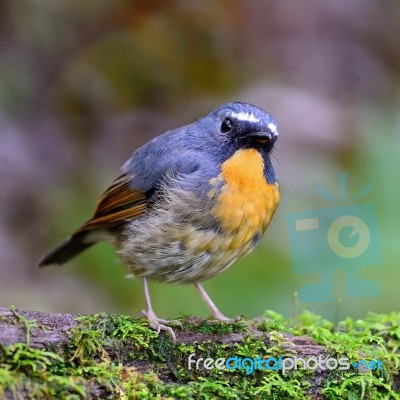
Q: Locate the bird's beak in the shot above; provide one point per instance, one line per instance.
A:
(268, 136)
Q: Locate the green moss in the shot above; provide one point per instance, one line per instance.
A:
(27, 323)
(364, 386)
(213, 327)
(37, 371)
(28, 360)
(121, 357)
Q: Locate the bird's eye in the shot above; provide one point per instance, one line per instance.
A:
(226, 125)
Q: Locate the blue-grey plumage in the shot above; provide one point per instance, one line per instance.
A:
(200, 145)
(189, 203)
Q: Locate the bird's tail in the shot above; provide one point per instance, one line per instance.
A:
(68, 249)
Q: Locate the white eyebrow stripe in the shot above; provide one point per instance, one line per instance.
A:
(272, 127)
(243, 116)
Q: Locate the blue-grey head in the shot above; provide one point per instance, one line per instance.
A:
(209, 141)
(237, 125)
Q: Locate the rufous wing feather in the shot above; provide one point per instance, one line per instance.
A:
(118, 204)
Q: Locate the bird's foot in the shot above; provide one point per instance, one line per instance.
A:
(159, 324)
(221, 317)
(212, 307)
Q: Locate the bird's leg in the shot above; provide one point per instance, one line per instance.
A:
(212, 307)
(156, 323)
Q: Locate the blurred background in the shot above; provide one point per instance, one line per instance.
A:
(83, 84)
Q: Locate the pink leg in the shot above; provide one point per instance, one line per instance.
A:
(156, 323)
(210, 304)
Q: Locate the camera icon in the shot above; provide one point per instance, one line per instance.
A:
(323, 241)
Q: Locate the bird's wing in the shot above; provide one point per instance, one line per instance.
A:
(117, 204)
(128, 196)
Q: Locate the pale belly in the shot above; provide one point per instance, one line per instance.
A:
(184, 254)
(165, 248)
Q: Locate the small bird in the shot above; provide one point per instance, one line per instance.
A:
(188, 204)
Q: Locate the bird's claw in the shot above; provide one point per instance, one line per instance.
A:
(221, 317)
(159, 324)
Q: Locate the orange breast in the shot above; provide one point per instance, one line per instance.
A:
(246, 202)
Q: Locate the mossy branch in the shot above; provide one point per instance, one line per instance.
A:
(110, 356)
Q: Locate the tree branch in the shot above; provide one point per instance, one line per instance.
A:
(55, 355)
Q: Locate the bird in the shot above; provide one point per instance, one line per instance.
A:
(188, 204)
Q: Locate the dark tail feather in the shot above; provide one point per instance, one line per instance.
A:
(68, 249)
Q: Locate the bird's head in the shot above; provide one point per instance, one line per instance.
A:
(242, 125)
